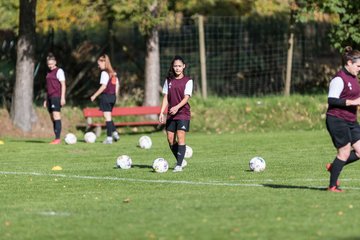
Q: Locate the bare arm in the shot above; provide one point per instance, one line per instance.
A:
(98, 92)
(63, 93)
(176, 108)
(163, 107)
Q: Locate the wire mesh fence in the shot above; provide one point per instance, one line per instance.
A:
(244, 57)
(248, 57)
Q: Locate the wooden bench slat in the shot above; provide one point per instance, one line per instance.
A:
(90, 113)
(124, 124)
(122, 111)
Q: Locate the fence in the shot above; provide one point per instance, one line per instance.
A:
(248, 57)
(244, 57)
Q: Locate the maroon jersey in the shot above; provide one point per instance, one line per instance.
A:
(111, 85)
(53, 85)
(175, 94)
(351, 91)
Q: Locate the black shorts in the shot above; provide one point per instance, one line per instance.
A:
(107, 102)
(174, 125)
(342, 132)
(53, 104)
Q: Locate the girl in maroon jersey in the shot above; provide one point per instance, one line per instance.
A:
(55, 99)
(341, 116)
(107, 91)
(177, 90)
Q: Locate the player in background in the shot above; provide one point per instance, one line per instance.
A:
(341, 116)
(55, 98)
(177, 90)
(107, 91)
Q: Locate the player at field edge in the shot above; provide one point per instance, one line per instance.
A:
(55, 97)
(177, 90)
(341, 116)
(107, 92)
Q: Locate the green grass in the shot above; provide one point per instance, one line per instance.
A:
(215, 197)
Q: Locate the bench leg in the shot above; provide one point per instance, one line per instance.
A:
(98, 131)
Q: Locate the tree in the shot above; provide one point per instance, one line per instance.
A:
(347, 19)
(22, 111)
(148, 15)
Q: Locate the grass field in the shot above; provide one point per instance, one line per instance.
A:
(215, 197)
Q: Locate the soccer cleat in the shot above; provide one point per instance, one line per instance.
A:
(55, 141)
(334, 189)
(328, 168)
(107, 141)
(116, 136)
(177, 169)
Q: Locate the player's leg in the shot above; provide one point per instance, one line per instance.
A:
(355, 139)
(171, 137)
(339, 131)
(54, 108)
(181, 147)
(109, 127)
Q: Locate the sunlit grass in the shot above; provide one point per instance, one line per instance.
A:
(215, 197)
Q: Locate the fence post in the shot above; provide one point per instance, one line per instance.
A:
(202, 56)
(290, 53)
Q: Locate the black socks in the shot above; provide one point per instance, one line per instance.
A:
(352, 158)
(174, 149)
(336, 168)
(110, 128)
(57, 128)
(179, 152)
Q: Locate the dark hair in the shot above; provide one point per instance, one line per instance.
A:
(350, 54)
(50, 56)
(171, 73)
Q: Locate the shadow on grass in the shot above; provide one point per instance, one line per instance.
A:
(294, 187)
(31, 141)
(141, 166)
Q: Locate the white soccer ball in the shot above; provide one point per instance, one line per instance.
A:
(184, 163)
(145, 142)
(160, 165)
(188, 152)
(257, 164)
(70, 138)
(124, 162)
(90, 137)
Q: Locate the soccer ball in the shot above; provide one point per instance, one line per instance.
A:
(184, 163)
(90, 137)
(188, 152)
(257, 164)
(123, 162)
(160, 165)
(145, 142)
(70, 138)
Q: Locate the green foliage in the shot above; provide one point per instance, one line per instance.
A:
(346, 31)
(215, 197)
(264, 114)
(9, 17)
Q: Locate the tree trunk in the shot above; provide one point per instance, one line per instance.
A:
(22, 111)
(152, 70)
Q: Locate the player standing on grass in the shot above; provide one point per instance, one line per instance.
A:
(107, 91)
(341, 116)
(177, 90)
(55, 99)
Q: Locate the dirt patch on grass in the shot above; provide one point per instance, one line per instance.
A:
(43, 128)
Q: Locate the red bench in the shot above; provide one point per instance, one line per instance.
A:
(90, 113)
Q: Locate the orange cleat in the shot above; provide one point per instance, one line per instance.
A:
(55, 141)
(335, 189)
